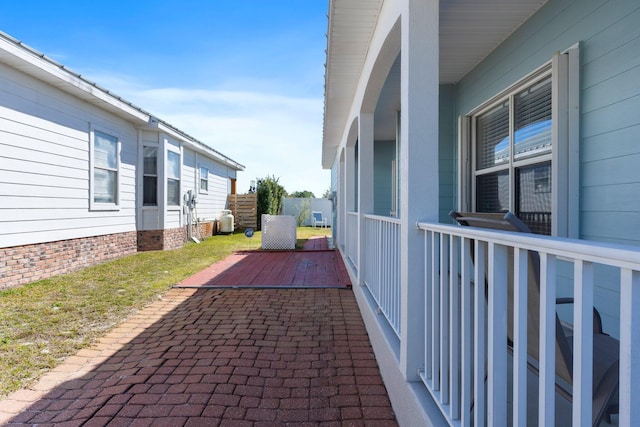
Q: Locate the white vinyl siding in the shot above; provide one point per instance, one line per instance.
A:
(49, 162)
(211, 203)
(44, 165)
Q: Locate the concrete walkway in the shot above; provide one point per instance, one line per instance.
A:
(219, 357)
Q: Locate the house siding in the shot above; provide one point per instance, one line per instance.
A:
(384, 152)
(48, 223)
(609, 124)
(447, 151)
(212, 202)
(609, 40)
(44, 165)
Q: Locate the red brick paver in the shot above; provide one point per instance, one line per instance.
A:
(316, 266)
(217, 357)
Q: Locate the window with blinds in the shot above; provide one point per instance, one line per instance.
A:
(513, 155)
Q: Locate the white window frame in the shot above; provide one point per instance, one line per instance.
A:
(564, 69)
(179, 179)
(156, 175)
(201, 179)
(102, 206)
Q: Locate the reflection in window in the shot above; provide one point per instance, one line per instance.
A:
(105, 168)
(150, 177)
(513, 155)
(173, 178)
(204, 180)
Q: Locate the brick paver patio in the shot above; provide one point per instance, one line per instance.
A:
(218, 357)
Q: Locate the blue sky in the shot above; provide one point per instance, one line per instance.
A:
(243, 76)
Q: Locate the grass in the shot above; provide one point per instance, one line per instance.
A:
(44, 322)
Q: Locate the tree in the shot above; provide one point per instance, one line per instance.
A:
(269, 194)
(303, 194)
(327, 194)
(303, 211)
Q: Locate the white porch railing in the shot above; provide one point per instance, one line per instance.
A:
(382, 275)
(465, 334)
(351, 231)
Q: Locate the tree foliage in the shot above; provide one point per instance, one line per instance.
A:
(306, 194)
(269, 193)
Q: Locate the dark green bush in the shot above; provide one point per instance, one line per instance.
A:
(270, 194)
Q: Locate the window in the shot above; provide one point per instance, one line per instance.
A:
(105, 160)
(150, 177)
(513, 147)
(173, 178)
(519, 151)
(204, 180)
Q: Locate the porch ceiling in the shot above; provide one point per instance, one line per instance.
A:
(469, 31)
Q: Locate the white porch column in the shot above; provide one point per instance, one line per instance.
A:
(349, 190)
(340, 204)
(418, 168)
(365, 184)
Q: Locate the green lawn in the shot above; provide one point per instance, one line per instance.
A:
(44, 322)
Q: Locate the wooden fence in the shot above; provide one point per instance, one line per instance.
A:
(244, 208)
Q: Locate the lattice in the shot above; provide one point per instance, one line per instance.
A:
(278, 232)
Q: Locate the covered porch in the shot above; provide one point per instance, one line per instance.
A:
(407, 83)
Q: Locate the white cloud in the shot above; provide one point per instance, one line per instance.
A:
(272, 135)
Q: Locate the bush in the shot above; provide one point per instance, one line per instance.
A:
(269, 193)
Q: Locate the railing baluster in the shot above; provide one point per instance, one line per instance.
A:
(467, 350)
(454, 320)
(582, 342)
(444, 318)
(435, 311)
(497, 336)
(428, 279)
(480, 334)
(520, 305)
(546, 403)
(629, 347)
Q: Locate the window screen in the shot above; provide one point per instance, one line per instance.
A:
(512, 151)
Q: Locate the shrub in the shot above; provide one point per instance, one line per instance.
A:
(269, 193)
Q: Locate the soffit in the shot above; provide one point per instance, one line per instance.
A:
(469, 31)
(351, 26)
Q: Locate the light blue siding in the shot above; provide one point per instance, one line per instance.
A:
(384, 152)
(609, 33)
(447, 151)
(609, 37)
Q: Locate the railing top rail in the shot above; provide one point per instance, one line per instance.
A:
(623, 256)
(383, 218)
